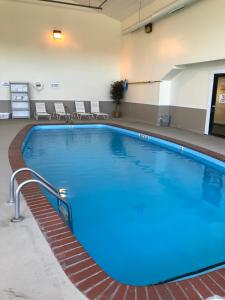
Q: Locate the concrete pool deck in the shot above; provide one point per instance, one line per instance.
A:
(28, 267)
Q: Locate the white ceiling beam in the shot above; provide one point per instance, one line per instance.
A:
(175, 6)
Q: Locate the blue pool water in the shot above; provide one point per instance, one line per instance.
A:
(144, 212)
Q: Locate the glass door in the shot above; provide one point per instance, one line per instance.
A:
(217, 117)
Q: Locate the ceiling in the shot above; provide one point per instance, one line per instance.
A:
(117, 9)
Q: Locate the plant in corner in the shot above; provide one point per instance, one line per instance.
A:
(117, 94)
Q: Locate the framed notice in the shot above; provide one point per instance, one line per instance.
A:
(222, 98)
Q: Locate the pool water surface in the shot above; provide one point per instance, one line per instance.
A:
(144, 212)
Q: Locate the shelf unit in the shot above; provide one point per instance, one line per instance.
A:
(20, 100)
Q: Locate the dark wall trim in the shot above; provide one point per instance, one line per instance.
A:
(192, 119)
(140, 112)
(105, 106)
(5, 106)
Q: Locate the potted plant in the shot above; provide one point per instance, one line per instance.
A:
(117, 94)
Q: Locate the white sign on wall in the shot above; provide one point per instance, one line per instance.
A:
(222, 98)
(55, 84)
(4, 83)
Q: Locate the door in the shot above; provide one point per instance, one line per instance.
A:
(217, 116)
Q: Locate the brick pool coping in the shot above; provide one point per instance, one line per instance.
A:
(81, 269)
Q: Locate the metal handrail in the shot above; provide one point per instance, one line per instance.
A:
(12, 183)
(53, 191)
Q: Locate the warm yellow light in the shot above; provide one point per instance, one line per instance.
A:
(57, 34)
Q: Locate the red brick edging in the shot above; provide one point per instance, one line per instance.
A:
(82, 270)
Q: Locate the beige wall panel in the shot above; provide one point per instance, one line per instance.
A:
(84, 63)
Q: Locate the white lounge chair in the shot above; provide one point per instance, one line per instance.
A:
(60, 111)
(96, 111)
(41, 111)
(80, 110)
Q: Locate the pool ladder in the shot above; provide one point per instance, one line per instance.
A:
(64, 207)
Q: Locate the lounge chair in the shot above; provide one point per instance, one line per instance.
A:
(96, 111)
(41, 111)
(60, 111)
(80, 110)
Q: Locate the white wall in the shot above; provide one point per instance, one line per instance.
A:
(191, 87)
(84, 63)
(87, 60)
(143, 93)
(192, 35)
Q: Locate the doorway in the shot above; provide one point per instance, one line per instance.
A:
(217, 114)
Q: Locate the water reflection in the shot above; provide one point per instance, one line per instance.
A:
(70, 139)
(120, 149)
(117, 146)
(34, 151)
(212, 186)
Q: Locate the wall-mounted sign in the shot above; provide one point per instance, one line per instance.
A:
(222, 98)
(55, 84)
(4, 83)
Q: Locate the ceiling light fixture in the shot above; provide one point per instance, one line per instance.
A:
(57, 34)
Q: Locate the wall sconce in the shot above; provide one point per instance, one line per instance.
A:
(57, 34)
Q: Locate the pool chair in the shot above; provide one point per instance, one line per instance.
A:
(60, 111)
(41, 111)
(80, 111)
(96, 111)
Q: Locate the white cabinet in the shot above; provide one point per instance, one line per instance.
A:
(20, 100)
